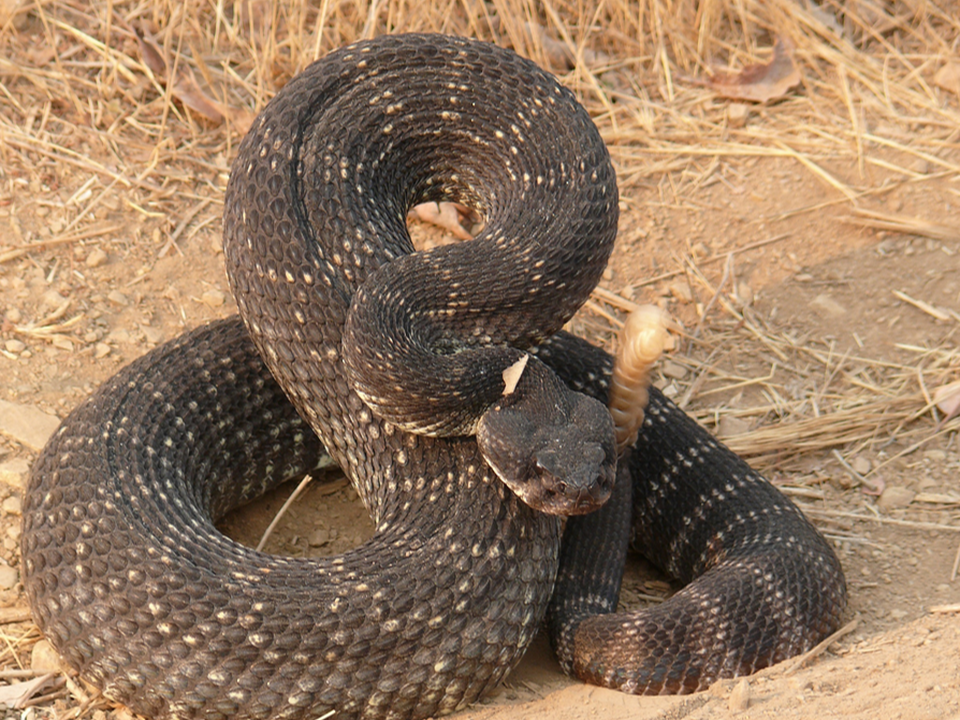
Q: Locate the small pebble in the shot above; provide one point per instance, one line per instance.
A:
(213, 298)
(740, 697)
(44, 658)
(14, 472)
(681, 291)
(120, 335)
(737, 114)
(8, 576)
(96, 258)
(828, 306)
(101, 350)
(14, 315)
(117, 298)
(152, 334)
(14, 346)
(319, 537)
(861, 465)
(52, 299)
(673, 370)
(28, 424)
(63, 343)
(895, 497)
(12, 505)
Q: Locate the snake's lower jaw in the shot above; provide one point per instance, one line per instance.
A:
(572, 483)
(577, 490)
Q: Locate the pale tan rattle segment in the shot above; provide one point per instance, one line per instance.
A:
(642, 340)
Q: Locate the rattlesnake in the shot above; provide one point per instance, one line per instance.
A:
(123, 566)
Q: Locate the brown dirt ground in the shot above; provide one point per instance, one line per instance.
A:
(819, 282)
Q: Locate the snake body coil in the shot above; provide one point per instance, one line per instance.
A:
(124, 569)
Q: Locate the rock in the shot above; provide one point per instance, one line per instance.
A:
(213, 298)
(737, 114)
(43, 658)
(62, 342)
(14, 346)
(681, 291)
(12, 505)
(152, 334)
(101, 350)
(14, 315)
(319, 537)
(895, 497)
(673, 370)
(739, 699)
(96, 258)
(827, 305)
(9, 576)
(27, 424)
(118, 298)
(730, 426)
(948, 77)
(14, 472)
(860, 465)
(52, 299)
(120, 335)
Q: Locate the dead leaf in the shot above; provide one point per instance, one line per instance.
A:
(948, 77)
(947, 398)
(14, 695)
(152, 54)
(761, 82)
(447, 215)
(186, 90)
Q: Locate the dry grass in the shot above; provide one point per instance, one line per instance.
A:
(82, 106)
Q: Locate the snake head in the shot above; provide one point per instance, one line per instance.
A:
(553, 447)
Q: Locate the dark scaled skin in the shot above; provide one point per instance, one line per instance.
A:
(123, 568)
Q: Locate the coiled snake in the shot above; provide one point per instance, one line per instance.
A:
(125, 571)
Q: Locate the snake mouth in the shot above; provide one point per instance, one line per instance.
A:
(562, 480)
(554, 496)
(567, 503)
(568, 484)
